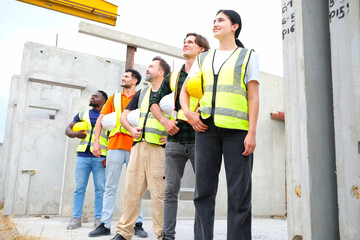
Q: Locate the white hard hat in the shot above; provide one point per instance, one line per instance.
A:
(167, 104)
(133, 117)
(108, 122)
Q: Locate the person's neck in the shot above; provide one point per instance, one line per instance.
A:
(188, 63)
(227, 45)
(129, 91)
(155, 84)
(97, 108)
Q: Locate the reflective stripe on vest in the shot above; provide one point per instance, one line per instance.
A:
(117, 103)
(194, 102)
(153, 129)
(228, 103)
(90, 134)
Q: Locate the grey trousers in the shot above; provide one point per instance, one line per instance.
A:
(176, 156)
(210, 147)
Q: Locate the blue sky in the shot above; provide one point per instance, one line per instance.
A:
(158, 20)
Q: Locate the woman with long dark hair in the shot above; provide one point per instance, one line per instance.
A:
(225, 125)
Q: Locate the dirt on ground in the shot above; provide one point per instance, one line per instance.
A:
(8, 230)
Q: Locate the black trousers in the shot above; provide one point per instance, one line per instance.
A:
(210, 146)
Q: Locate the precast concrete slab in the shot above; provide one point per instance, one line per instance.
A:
(345, 59)
(312, 209)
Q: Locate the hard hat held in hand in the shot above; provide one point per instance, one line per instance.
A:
(80, 126)
(108, 122)
(167, 104)
(133, 117)
(195, 86)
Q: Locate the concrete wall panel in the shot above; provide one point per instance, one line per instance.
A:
(269, 158)
(344, 17)
(312, 200)
(7, 138)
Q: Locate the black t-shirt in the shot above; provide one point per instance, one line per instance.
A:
(133, 104)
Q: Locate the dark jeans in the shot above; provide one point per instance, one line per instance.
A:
(176, 156)
(209, 148)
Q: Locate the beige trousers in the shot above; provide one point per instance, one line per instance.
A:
(145, 169)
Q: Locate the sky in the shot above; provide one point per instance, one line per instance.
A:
(162, 21)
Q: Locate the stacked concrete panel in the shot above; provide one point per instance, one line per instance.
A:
(344, 18)
(310, 154)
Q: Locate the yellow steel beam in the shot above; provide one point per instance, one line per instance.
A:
(95, 10)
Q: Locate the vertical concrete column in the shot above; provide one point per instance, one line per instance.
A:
(310, 155)
(344, 18)
(130, 57)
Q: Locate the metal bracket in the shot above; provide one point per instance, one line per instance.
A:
(31, 172)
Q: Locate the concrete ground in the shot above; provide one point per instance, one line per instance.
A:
(55, 228)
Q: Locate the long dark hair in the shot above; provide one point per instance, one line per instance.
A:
(235, 19)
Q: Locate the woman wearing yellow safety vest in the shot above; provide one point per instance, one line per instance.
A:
(225, 125)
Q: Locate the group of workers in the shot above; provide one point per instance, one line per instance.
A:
(216, 104)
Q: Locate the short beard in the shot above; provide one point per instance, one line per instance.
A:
(148, 79)
(125, 86)
(93, 105)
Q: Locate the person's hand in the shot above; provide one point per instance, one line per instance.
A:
(80, 135)
(249, 144)
(170, 127)
(163, 140)
(196, 123)
(136, 132)
(96, 149)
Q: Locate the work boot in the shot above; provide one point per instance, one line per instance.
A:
(100, 231)
(139, 231)
(97, 222)
(74, 223)
(118, 237)
(163, 237)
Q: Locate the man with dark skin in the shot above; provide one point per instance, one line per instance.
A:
(86, 162)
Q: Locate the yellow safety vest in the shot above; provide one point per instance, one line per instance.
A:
(227, 102)
(153, 129)
(117, 103)
(194, 102)
(90, 136)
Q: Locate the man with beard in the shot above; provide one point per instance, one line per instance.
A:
(146, 168)
(118, 152)
(86, 162)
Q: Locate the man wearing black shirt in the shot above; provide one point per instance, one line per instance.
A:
(146, 168)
